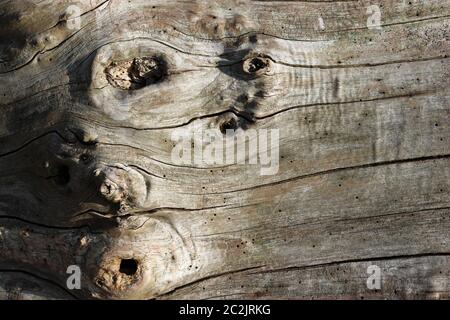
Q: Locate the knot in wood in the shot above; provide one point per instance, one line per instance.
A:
(123, 185)
(256, 65)
(135, 73)
(119, 275)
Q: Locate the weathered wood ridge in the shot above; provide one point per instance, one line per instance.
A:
(86, 174)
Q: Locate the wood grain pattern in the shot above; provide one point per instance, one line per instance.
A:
(87, 177)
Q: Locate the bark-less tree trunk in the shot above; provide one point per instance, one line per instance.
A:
(91, 93)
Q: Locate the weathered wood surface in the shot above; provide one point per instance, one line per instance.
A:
(363, 116)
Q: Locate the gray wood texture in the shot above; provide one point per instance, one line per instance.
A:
(88, 104)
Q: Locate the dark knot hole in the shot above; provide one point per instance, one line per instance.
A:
(128, 266)
(62, 176)
(256, 64)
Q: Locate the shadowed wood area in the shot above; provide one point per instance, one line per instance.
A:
(93, 92)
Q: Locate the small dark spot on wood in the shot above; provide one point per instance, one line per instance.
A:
(85, 158)
(242, 98)
(229, 124)
(260, 94)
(336, 87)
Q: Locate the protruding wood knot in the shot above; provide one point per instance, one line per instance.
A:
(257, 65)
(136, 73)
(122, 185)
(118, 275)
